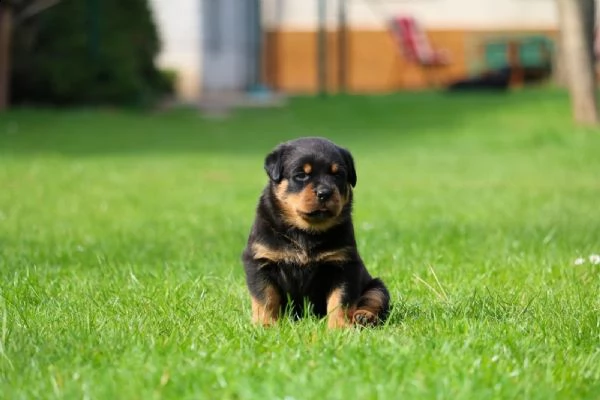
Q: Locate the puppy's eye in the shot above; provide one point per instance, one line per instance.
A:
(301, 177)
(339, 174)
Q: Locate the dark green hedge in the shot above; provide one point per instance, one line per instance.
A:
(88, 52)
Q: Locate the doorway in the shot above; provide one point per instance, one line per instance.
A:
(231, 43)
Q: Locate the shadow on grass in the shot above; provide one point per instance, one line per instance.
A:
(365, 121)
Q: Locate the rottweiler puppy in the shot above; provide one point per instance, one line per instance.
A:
(301, 249)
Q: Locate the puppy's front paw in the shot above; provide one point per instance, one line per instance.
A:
(364, 318)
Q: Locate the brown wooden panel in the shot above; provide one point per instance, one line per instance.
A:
(296, 60)
(374, 62)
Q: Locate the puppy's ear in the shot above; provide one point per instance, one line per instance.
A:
(274, 164)
(351, 170)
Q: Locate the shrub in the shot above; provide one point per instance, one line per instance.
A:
(88, 52)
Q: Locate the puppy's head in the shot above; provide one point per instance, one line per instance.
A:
(312, 180)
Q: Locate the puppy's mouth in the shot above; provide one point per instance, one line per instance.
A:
(317, 215)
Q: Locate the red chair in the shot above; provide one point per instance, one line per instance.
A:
(415, 46)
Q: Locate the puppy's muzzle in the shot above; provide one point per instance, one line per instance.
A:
(323, 193)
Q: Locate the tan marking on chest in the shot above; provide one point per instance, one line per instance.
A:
(299, 257)
(338, 255)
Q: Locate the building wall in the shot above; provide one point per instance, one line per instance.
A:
(374, 61)
(179, 25)
(440, 14)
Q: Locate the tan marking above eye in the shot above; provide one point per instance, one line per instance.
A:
(307, 168)
(335, 168)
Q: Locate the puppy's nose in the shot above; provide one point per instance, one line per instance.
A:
(324, 193)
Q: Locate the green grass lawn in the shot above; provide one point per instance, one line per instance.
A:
(121, 234)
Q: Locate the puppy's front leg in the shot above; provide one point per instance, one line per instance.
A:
(266, 306)
(337, 309)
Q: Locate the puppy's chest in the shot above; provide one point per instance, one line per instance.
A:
(301, 271)
(300, 254)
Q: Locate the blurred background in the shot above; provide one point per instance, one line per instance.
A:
(235, 52)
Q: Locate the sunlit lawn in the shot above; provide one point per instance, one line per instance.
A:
(121, 234)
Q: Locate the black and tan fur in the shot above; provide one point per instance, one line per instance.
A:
(302, 247)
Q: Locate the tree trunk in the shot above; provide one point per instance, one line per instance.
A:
(5, 46)
(578, 60)
(588, 9)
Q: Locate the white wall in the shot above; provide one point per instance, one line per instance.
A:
(372, 14)
(179, 25)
